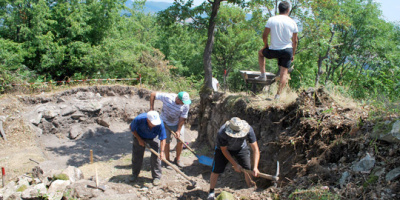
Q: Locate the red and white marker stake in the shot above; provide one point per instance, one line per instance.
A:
(3, 173)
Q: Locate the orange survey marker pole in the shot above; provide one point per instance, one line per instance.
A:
(91, 156)
(3, 173)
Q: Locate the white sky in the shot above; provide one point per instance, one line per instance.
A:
(390, 8)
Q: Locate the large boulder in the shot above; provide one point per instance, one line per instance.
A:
(80, 190)
(74, 174)
(35, 192)
(56, 189)
(388, 131)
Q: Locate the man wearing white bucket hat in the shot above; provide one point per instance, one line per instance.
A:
(174, 112)
(230, 144)
(146, 127)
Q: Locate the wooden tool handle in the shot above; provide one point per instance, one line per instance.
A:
(170, 164)
(262, 175)
(180, 139)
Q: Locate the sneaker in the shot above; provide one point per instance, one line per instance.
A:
(178, 163)
(277, 97)
(165, 165)
(211, 196)
(156, 182)
(261, 78)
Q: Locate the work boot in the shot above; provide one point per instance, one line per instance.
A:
(261, 78)
(178, 163)
(156, 182)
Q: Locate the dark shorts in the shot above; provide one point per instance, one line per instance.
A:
(284, 56)
(242, 157)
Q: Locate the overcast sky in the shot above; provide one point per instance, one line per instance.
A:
(390, 8)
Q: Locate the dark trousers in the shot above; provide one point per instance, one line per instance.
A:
(137, 157)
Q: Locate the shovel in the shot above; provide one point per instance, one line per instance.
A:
(202, 159)
(173, 166)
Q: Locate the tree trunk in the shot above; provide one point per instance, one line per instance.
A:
(207, 91)
(209, 46)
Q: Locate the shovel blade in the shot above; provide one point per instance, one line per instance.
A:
(205, 160)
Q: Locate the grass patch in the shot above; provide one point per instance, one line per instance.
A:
(320, 193)
(22, 188)
(61, 177)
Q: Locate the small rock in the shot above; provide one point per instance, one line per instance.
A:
(103, 122)
(49, 114)
(343, 179)
(393, 174)
(365, 164)
(36, 120)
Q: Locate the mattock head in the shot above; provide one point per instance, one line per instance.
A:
(190, 187)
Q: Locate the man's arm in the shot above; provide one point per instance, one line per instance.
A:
(152, 98)
(256, 151)
(162, 147)
(228, 156)
(294, 44)
(140, 140)
(180, 124)
(265, 37)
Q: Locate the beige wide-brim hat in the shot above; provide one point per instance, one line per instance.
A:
(237, 128)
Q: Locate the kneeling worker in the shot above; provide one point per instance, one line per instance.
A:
(145, 128)
(231, 142)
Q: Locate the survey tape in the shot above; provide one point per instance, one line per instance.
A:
(71, 81)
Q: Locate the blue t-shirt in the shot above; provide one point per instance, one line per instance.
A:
(139, 124)
(234, 144)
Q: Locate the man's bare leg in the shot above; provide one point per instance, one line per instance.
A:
(213, 180)
(283, 79)
(179, 147)
(261, 61)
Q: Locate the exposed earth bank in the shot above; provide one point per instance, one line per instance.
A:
(323, 146)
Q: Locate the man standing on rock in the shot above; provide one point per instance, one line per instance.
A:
(231, 142)
(145, 128)
(283, 30)
(174, 113)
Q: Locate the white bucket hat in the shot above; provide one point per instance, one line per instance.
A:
(154, 118)
(237, 128)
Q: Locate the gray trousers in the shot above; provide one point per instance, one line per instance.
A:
(137, 157)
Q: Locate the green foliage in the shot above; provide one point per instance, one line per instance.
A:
(372, 179)
(42, 40)
(235, 47)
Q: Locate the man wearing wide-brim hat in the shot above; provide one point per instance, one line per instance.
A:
(230, 144)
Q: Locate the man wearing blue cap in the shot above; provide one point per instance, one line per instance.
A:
(174, 113)
(145, 128)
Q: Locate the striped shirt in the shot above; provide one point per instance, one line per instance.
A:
(171, 112)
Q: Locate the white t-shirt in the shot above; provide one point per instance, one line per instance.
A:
(282, 29)
(171, 112)
(215, 84)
